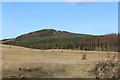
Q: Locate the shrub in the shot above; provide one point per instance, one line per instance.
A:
(107, 69)
(84, 57)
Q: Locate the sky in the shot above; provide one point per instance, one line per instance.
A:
(60, 0)
(96, 18)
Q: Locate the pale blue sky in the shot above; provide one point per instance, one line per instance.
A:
(87, 18)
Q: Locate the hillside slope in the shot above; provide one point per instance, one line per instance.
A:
(50, 38)
(49, 33)
(53, 39)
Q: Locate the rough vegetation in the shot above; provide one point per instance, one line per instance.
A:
(107, 68)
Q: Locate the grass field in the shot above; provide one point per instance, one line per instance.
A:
(32, 63)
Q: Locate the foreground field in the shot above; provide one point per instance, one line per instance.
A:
(31, 63)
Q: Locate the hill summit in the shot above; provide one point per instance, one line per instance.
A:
(48, 33)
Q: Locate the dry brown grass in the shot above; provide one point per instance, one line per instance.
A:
(0, 62)
(50, 63)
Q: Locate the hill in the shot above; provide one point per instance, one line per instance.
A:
(53, 39)
(49, 33)
(7, 40)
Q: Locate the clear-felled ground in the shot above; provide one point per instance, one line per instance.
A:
(19, 62)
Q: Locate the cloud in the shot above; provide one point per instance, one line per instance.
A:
(86, 2)
(80, 0)
(92, 0)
